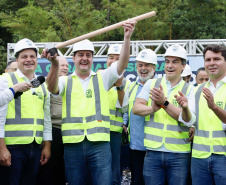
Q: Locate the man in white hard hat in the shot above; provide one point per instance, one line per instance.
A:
(118, 99)
(53, 173)
(209, 146)
(186, 74)
(146, 62)
(25, 124)
(85, 112)
(165, 136)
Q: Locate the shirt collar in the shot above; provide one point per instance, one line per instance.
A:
(91, 74)
(221, 81)
(168, 82)
(21, 75)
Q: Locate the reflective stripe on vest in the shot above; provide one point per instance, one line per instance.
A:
(131, 103)
(97, 117)
(18, 120)
(174, 128)
(130, 92)
(116, 116)
(215, 134)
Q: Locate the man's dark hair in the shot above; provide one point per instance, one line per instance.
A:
(17, 54)
(9, 63)
(216, 48)
(200, 69)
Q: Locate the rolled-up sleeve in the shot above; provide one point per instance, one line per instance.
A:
(144, 93)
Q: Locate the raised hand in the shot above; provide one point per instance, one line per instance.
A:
(182, 100)
(52, 59)
(209, 98)
(157, 95)
(129, 27)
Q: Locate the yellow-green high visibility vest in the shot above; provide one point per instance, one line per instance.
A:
(116, 116)
(85, 115)
(209, 137)
(132, 96)
(161, 129)
(25, 115)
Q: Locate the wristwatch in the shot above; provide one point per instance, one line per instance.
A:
(121, 87)
(165, 104)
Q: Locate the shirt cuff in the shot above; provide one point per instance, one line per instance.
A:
(2, 133)
(125, 103)
(47, 136)
(188, 124)
(224, 126)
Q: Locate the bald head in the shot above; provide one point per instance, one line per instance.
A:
(63, 66)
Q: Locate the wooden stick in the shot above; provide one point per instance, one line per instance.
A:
(103, 30)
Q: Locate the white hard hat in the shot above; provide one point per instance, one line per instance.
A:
(147, 56)
(24, 44)
(176, 51)
(83, 45)
(114, 49)
(187, 71)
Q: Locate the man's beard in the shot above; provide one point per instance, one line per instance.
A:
(145, 79)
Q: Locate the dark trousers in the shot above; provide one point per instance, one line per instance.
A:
(53, 172)
(125, 157)
(25, 161)
(137, 163)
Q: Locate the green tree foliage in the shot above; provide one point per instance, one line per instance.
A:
(60, 20)
(199, 19)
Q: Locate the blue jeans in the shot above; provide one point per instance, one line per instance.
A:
(115, 144)
(209, 170)
(160, 167)
(94, 155)
(25, 161)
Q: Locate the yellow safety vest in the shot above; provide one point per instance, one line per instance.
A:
(132, 96)
(25, 115)
(209, 135)
(116, 116)
(85, 115)
(161, 129)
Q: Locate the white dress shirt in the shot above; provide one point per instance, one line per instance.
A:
(47, 131)
(6, 96)
(213, 91)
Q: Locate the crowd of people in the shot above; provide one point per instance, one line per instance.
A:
(68, 130)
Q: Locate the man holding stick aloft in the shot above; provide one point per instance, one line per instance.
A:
(85, 112)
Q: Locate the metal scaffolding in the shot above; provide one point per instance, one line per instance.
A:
(193, 47)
